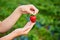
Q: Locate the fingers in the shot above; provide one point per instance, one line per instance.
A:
(26, 28)
(29, 25)
(29, 11)
(35, 10)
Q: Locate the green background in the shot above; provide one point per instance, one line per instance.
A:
(47, 26)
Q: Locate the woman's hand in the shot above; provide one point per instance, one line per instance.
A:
(19, 31)
(25, 30)
(31, 9)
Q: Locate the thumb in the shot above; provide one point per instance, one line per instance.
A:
(29, 11)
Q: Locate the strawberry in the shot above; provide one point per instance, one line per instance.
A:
(33, 18)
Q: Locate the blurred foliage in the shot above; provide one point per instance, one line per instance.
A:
(48, 19)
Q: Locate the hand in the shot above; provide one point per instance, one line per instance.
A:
(25, 30)
(19, 31)
(31, 9)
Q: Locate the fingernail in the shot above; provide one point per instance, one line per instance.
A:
(34, 14)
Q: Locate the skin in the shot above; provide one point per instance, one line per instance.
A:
(7, 24)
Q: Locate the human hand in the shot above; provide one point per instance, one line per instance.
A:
(31, 9)
(19, 31)
(25, 30)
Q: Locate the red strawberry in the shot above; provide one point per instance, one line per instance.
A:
(33, 18)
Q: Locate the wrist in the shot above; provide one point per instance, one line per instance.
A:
(18, 10)
(9, 36)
